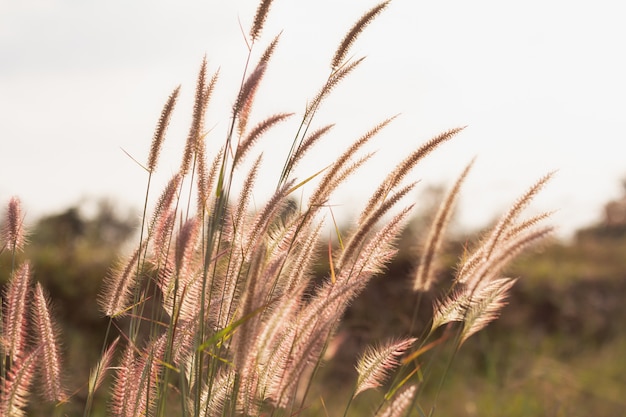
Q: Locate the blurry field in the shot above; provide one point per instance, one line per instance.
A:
(559, 348)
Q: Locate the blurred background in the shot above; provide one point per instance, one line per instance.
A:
(540, 86)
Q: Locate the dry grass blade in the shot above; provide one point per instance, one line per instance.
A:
(354, 32)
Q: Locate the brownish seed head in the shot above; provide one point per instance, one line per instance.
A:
(13, 233)
(159, 134)
(259, 19)
(354, 32)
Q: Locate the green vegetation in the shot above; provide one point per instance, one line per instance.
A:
(219, 309)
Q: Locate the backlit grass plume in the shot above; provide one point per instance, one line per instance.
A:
(226, 306)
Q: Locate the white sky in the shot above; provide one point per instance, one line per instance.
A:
(540, 84)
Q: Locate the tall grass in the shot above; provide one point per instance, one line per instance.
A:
(216, 308)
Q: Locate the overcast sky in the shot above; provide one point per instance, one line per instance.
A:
(540, 85)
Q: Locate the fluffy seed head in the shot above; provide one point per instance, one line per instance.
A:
(13, 231)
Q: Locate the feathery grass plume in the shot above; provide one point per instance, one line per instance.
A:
(246, 106)
(179, 283)
(261, 274)
(16, 386)
(253, 243)
(379, 250)
(258, 229)
(400, 403)
(259, 19)
(253, 136)
(229, 286)
(273, 337)
(241, 212)
(302, 259)
(269, 51)
(216, 395)
(164, 203)
(403, 168)
(485, 306)
(506, 229)
(359, 236)
(307, 143)
(527, 224)
(376, 363)
(452, 307)
(323, 189)
(124, 391)
(335, 78)
(354, 32)
(503, 254)
(147, 376)
(426, 275)
(117, 289)
(159, 134)
(202, 177)
(99, 372)
(243, 339)
(185, 245)
(161, 240)
(206, 178)
(245, 99)
(323, 194)
(301, 343)
(47, 335)
(470, 288)
(15, 313)
(13, 231)
(197, 121)
(306, 334)
(509, 218)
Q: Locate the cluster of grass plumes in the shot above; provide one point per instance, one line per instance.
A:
(216, 307)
